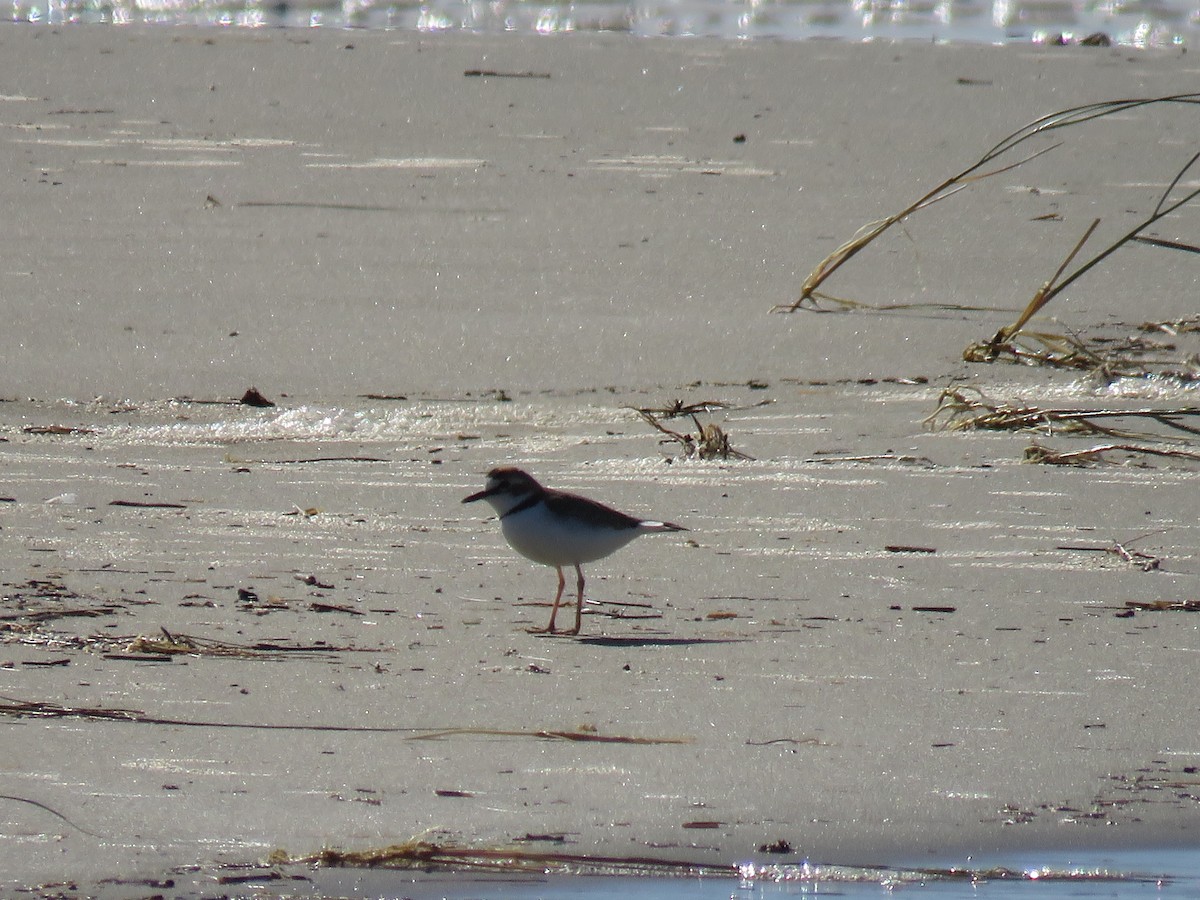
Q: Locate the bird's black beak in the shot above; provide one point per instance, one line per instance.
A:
(479, 495)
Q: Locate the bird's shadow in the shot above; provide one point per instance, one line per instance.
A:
(651, 641)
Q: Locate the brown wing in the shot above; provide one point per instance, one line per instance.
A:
(575, 507)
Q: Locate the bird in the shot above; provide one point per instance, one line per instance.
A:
(559, 529)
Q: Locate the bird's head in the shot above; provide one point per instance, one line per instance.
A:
(506, 487)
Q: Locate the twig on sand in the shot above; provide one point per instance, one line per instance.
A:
(1147, 562)
(582, 735)
(36, 709)
(422, 854)
(165, 645)
(709, 442)
(1173, 326)
(55, 813)
(419, 853)
(1036, 453)
(1162, 606)
(677, 408)
(174, 644)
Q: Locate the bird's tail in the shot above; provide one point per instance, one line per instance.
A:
(660, 526)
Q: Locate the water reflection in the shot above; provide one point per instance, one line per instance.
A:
(1143, 24)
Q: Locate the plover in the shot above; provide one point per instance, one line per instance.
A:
(558, 529)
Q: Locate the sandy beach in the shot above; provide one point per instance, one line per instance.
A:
(879, 641)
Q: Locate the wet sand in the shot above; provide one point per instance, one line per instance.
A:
(878, 642)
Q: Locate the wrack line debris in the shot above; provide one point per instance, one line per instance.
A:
(22, 709)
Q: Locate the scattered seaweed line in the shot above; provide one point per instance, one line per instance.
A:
(907, 459)
(230, 458)
(182, 644)
(844, 304)
(964, 409)
(580, 736)
(36, 709)
(806, 741)
(169, 644)
(26, 617)
(968, 408)
(423, 854)
(419, 853)
(1161, 605)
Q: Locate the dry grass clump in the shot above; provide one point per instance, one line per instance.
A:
(1002, 343)
(1067, 118)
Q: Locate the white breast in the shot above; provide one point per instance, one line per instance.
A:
(538, 534)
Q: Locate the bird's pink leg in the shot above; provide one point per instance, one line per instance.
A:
(578, 601)
(549, 629)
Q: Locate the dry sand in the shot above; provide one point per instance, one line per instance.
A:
(328, 215)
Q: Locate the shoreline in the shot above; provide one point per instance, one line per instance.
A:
(1045, 24)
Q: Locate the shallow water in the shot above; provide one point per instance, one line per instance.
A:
(1162, 23)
